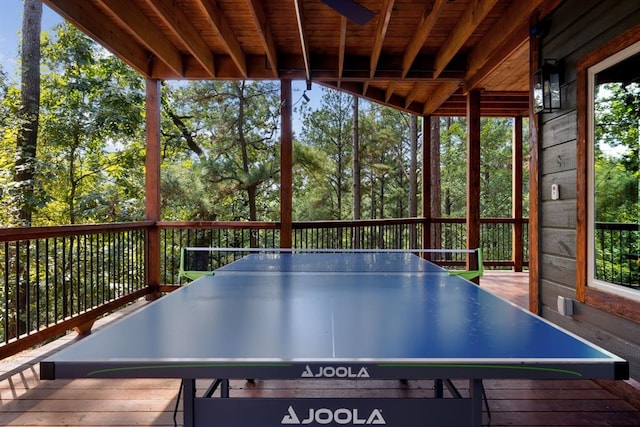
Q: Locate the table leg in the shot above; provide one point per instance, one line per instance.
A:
(224, 388)
(438, 389)
(189, 396)
(475, 389)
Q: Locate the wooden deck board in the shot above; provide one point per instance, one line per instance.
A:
(27, 401)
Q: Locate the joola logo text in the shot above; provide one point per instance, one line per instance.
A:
(335, 372)
(342, 416)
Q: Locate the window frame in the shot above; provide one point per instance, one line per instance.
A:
(591, 73)
(608, 297)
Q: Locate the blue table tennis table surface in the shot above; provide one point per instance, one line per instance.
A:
(284, 315)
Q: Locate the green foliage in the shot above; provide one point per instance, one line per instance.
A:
(91, 134)
(617, 168)
(220, 142)
(220, 146)
(615, 182)
(496, 156)
(329, 130)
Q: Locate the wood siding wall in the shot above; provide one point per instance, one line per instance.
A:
(577, 27)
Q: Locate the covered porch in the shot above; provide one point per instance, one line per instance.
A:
(439, 58)
(432, 59)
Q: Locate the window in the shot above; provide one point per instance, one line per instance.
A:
(613, 144)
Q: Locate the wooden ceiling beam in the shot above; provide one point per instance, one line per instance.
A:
(439, 96)
(411, 96)
(79, 13)
(466, 25)
(381, 32)
(391, 87)
(342, 47)
(373, 94)
(484, 112)
(489, 107)
(503, 33)
(147, 34)
(303, 38)
(264, 31)
(495, 59)
(173, 16)
(292, 67)
(420, 36)
(217, 20)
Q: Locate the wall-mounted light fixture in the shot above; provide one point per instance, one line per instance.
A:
(545, 87)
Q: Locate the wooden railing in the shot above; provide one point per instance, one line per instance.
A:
(53, 279)
(497, 238)
(617, 246)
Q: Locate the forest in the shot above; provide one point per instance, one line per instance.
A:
(219, 148)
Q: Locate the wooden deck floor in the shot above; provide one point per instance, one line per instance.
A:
(27, 401)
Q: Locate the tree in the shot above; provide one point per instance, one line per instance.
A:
(496, 167)
(386, 161)
(413, 176)
(356, 159)
(617, 144)
(27, 139)
(328, 129)
(92, 122)
(225, 132)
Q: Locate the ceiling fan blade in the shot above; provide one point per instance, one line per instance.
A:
(351, 10)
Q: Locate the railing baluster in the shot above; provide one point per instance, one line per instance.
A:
(5, 320)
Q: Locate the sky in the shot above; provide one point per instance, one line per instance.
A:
(10, 27)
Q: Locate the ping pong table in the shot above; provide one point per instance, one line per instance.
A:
(351, 315)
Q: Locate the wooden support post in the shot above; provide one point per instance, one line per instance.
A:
(473, 173)
(152, 185)
(426, 182)
(516, 198)
(286, 166)
(534, 189)
(85, 328)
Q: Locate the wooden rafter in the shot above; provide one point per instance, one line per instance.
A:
(411, 57)
(439, 96)
(303, 38)
(146, 33)
(495, 59)
(422, 32)
(175, 18)
(262, 25)
(389, 92)
(503, 33)
(342, 47)
(466, 25)
(381, 32)
(79, 12)
(411, 96)
(217, 20)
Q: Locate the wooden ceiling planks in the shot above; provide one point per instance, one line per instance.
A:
(413, 55)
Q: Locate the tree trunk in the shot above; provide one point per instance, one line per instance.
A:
(356, 171)
(436, 182)
(413, 178)
(29, 111)
(26, 145)
(251, 188)
(356, 160)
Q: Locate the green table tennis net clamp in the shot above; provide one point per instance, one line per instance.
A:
(476, 262)
(188, 270)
